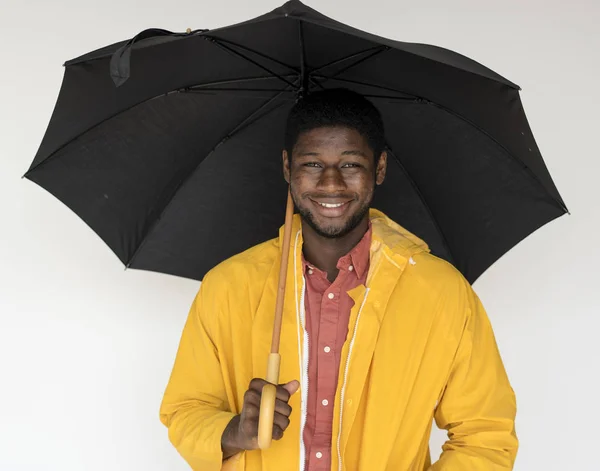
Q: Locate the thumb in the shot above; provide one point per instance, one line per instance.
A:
(292, 387)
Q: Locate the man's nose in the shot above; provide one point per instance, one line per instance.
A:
(331, 179)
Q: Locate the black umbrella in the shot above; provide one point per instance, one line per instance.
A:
(169, 145)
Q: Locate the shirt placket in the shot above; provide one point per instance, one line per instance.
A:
(326, 383)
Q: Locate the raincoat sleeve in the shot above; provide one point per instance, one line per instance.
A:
(478, 405)
(195, 407)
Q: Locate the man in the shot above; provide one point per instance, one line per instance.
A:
(379, 337)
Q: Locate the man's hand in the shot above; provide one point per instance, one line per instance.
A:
(242, 432)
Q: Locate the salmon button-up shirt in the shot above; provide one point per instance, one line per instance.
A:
(327, 307)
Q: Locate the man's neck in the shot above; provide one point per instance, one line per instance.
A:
(324, 252)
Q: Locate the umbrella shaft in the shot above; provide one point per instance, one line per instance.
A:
(285, 250)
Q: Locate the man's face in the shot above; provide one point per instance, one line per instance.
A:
(333, 175)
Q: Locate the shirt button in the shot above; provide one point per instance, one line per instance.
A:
(325, 402)
(350, 268)
(327, 349)
(310, 272)
(319, 455)
(330, 295)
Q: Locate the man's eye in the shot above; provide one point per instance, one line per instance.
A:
(351, 165)
(311, 164)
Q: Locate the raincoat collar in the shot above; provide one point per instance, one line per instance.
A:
(386, 234)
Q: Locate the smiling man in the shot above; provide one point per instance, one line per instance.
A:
(379, 337)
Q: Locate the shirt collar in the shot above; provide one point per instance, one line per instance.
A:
(358, 257)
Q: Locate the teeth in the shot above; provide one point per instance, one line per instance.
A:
(327, 205)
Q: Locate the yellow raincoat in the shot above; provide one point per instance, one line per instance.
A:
(419, 347)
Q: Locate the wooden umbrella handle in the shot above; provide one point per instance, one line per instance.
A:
(269, 391)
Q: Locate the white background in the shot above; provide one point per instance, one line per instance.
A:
(86, 347)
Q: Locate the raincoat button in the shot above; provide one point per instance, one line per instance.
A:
(330, 295)
(310, 272)
(325, 402)
(327, 349)
(350, 268)
(319, 455)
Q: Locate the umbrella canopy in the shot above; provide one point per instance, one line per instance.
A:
(169, 145)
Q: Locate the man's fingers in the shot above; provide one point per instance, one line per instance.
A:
(277, 432)
(284, 391)
(257, 384)
(281, 421)
(283, 408)
(292, 387)
(252, 396)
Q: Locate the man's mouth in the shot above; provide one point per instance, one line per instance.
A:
(331, 205)
(331, 208)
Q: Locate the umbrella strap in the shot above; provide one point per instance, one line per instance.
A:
(120, 61)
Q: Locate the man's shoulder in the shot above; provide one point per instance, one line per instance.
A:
(254, 264)
(437, 274)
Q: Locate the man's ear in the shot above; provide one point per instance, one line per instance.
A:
(286, 166)
(381, 168)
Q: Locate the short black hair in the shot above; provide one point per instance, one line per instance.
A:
(336, 107)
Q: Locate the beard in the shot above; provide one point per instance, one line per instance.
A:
(333, 232)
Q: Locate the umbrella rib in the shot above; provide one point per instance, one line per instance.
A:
(358, 82)
(390, 97)
(239, 54)
(519, 162)
(233, 91)
(245, 123)
(343, 59)
(408, 98)
(264, 56)
(374, 53)
(398, 98)
(423, 200)
(180, 90)
(303, 71)
(248, 121)
(341, 29)
(230, 82)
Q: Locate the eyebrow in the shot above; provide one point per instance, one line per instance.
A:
(357, 153)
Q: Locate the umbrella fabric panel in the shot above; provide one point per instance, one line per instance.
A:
(483, 201)
(88, 95)
(119, 176)
(399, 198)
(229, 203)
(296, 10)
